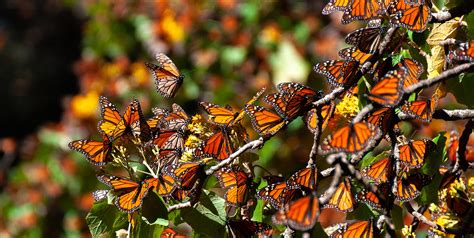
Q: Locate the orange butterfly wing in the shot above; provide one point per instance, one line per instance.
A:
(369, 198)
(219, 115)
(311, 117)
(112, 123)
(388, 91)
(379, 171)
(170, 233)
(278, 194)
(342, 200)
(414, 17)
(336, 5)
(186, 174)
(265, 122)
(218, 146)
(166, 76)
(338, 72)
(354, 54)
(355, 229)
(236, 183)
(352, 138)
(130, 193)
(300, 214)
(307, 178)
(363, 10)
(96, 152)
(413, 153)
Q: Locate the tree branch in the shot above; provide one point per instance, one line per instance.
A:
(464, 8)
(251, 145)
(441, 77)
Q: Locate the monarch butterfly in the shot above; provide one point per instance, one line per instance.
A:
(339, 73)
(166, 75)
(311, 117)
(278, 194)
(169, 139)
(165, 185)
(414, 152)
(354, 54)
(130, 193)
(336, 5)
(409, 188)
(413, 16)
(265, 122)
(287, 106)
(382, 117)
(114, 125)
(453, 145)
(355, 229)
(244, 228)
(352, 138)
(96, 152)
(300, 214)
(342, 199)
(137, 122)
(186, 174)
(237, 183)
(306, 178)
(157, 120)
(464, 51)
(369, 198)
(298, 89)
(100, 194)
(170, 233)
(364, 10)
(219, 145)
(224, 116)
(366, 39)
(388, 91)
(168, 156)
(415, 69)
(178, 119)
(421, 109)
(379, 171)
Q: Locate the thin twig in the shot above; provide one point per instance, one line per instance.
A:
(251, 145)
(327, 172)
(463, 8)
(441, 77)
(329, 97)
(323, 199)
(443, 114)
(362, 113)
(316, 137)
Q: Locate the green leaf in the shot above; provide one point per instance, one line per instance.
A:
(208, 216)
(104, 219)
(258, 211)
(154, 210)
(318, 231)
(397, 217)
(369, 158)
(435, 158)
(268, 151)
(462, 90)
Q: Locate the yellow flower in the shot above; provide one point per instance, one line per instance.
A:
(407, 231)
(193, 141)
(348, 107)
(171, 27)
(447, 221)
(85, 106)
(457, 187)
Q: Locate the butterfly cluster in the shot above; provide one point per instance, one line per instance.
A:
(177, 153)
